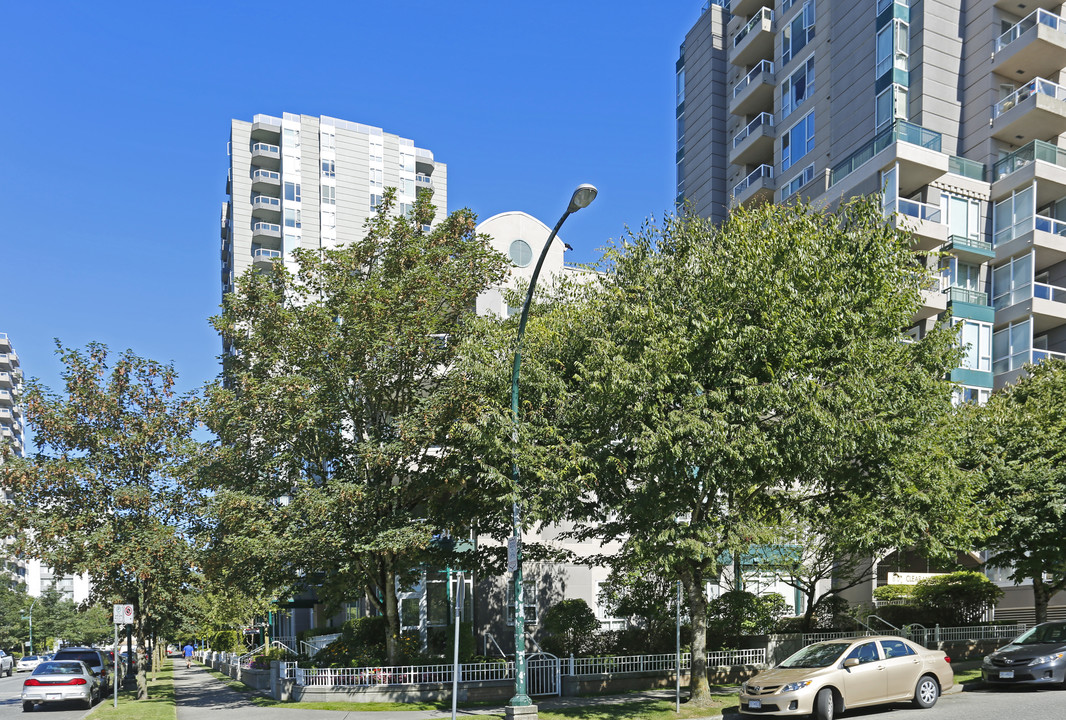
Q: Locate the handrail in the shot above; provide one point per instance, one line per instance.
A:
(763, 118)
(886, 622)
(1037, 17)
(763, 14)
(766, 66)
(1036, 86)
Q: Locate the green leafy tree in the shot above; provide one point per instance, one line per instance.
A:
(1019, 441)
(14, 603)
(107, 492)
(737, 613)
(958, 598)
(715, 377)
(569, 625)
(336, 410)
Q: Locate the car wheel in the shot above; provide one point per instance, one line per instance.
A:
(27, 706)
(823, 705)
(926, 692)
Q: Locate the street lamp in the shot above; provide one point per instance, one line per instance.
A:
(31, 622)
(584, 195)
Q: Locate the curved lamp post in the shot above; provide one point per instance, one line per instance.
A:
(584, 195)
(31, 622)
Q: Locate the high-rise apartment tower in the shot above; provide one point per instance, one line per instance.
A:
(311, 182)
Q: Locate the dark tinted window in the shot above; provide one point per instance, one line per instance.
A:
(867, 652)
(89, 658)
(59, 668)
(896, 648)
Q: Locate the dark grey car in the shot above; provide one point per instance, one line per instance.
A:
(1036, 657)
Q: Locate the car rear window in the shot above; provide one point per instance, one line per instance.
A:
(89, 658)
(59, 668)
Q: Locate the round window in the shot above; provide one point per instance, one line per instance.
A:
(521, 253)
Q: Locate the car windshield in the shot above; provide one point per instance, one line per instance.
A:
(30, 658)
(1047, 633)
(816, 656)
(59, 668)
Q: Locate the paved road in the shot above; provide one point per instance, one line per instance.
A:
(11, 703)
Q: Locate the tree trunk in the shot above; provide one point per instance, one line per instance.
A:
(1040, 598)
(808, 612)
(142, 679)
(699, 689)
(392, 614)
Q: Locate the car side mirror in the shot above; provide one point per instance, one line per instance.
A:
(851, 662)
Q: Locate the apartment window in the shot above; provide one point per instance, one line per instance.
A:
(329, 168)
(680, 86)
(329, 219)
(681, 131)
(529, 589)
(1011, 346)
(967, 394)
(328, 141)
(375, 201)
(893, 47)
(798, 33)
(1013, 216)
(1012, 281)
(962, 215)
(292, 191)
(797, 182)
(292, 218)
(377, 176)
(797, 87)
(291, 137)
(329, 195)
(408, 186)
(890, 105)
(681, 176)
(797, 141)
(976, 341)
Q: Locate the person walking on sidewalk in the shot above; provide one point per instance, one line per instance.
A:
(188, 655)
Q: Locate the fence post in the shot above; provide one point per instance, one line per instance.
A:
(572, 673)
(936, 636)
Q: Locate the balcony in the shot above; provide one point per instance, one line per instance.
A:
(914, 148)
(756, 188)
(265, 230)
(424, 162)
(1044, 304)
(1011, 6)
(1043, 236)
(755, 41)
(7, 398)
(267, 207)
(967, 295)
(934, 298)
(266, 181)
(266, 128)
(970, 249)
(1038, 160)
(265, 257)
(266, 155)
(6, 381)
(746, 8)
(922, 220)
(8, 360)
(423, 181)
(1035, 111)
(1034, 47)
(754, 145)
(755, 91)
(7, 416)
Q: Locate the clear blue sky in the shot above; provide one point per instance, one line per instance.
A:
(116, 116)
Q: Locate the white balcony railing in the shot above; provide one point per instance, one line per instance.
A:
(764, 14)
(1038, 17)
(1036, 86)
(265, 201)
(763, 171)
(260, 174)
(265, 254)
(266, 148)
(764, 66)
(915, 209)
(763, 119)
(266, 227)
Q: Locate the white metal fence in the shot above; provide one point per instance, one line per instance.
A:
(546, 666)
(933, 635)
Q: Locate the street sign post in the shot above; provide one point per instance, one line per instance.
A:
(460, 593)
(122, 614)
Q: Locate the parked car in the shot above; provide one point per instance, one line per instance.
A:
(97, 660)
(58, 681)
(1036, 657)
(7, 663)
(827, 678)
(28, 663)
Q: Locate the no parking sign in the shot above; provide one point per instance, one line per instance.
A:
(123, 614)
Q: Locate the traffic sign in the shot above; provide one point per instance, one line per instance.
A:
(123, 614)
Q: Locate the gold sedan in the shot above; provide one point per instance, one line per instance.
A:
(827, 678)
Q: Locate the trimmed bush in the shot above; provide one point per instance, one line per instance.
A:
(958, 598)
(894, 592)
(569, 626)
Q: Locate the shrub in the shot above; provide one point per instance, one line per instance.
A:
(569, 625)
(831, 613)
(894, 592)
(958, 598)
(226, 641)
(737, 613)
(362, 643)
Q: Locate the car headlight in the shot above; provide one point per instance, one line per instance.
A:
(793, 687)
(1044, 659)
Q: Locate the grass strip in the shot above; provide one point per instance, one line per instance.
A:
(160, 704)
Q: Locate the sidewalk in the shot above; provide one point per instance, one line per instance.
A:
(201, 696)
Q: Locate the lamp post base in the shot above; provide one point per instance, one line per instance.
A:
(520, 712)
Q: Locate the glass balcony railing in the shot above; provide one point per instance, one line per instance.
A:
(266, 148)
(261, 174)
(917, 210)
(962, 241)
(756, 21)
(265, 201)
(902, 131)
(763, 171)
(967, 295)
(1022, 358)
(1054, 293)
(883, 5)
(763, 119)
(1039, 17)
(1036, 86)
(764, 66)
(266, 227)
(1050, 225)
(1026, 154)
(967, 168)
(265, 254)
